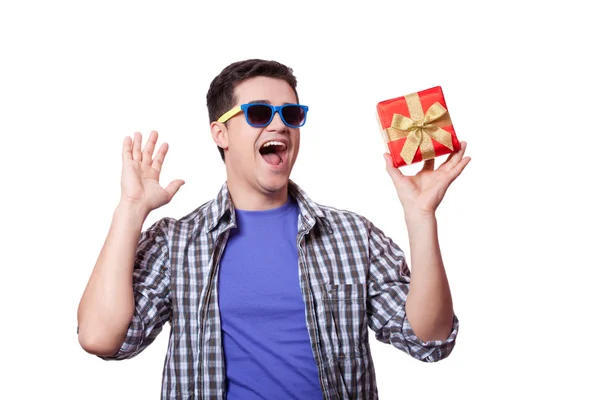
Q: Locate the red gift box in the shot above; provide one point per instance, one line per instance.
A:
(417, 127)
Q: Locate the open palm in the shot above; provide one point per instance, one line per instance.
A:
(424, 191)
(141, 172)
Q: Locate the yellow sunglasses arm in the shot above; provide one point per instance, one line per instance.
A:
(229, 114)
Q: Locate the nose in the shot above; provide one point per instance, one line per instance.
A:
(277, 123)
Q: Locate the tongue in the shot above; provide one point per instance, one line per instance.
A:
(272, 158)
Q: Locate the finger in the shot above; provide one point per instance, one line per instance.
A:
(173, 187)
(458, 156)
(137, 145)
(389, 163)
(456, 171)
(394, 172)
(159, 159)
(428, 165)
(454, 158)
(126, 154)
(445, 163)
(149, 148)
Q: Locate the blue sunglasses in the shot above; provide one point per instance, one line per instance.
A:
(261, 114)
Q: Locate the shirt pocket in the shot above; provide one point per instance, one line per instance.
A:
(345, 306)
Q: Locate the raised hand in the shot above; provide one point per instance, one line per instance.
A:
(423, 192)
(140, 174)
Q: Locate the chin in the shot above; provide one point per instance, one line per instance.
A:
(274, 184)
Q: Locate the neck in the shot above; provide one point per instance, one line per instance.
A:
(248, 198)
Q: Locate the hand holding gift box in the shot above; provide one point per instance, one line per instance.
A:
(417, 127)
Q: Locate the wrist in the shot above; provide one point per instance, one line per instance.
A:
(417, 215)
(133, 212)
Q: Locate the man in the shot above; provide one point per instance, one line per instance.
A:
(269, 294)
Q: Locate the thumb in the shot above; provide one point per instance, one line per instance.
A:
(394, 173)
(173, 187)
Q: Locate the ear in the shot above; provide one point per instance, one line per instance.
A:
(219, 134)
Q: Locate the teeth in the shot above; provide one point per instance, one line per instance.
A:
(273, 143)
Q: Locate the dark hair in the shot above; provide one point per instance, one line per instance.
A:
(220, 97)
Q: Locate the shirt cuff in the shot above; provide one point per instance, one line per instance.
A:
(132, 342)
(432, 350)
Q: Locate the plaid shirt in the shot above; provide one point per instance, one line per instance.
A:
(352, 277)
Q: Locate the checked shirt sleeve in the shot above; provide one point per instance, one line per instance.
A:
(389, 282)
(151, 289)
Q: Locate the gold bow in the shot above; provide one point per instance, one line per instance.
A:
(419, 129)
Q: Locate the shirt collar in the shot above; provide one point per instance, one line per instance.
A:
(311, 213)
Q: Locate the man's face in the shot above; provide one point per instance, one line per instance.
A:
(250, 164)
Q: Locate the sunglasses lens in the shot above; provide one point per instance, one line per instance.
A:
(293, 115)
(259, 114)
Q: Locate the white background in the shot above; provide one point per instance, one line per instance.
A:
(518, 229)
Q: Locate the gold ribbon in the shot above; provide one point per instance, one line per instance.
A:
(419, 129)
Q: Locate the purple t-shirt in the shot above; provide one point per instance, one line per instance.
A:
(267, 348)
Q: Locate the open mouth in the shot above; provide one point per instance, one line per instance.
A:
(274, 152)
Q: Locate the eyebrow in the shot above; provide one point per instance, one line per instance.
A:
(265, 101)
